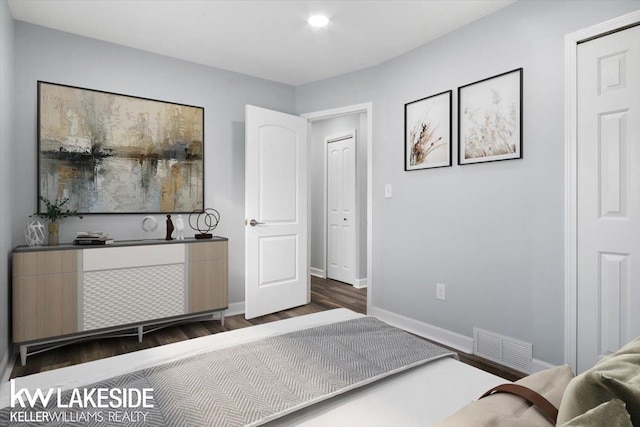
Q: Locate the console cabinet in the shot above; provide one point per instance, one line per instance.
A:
(68, 292)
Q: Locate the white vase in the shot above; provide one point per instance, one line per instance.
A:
(34, 233)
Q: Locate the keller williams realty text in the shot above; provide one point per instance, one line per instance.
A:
(79, 417)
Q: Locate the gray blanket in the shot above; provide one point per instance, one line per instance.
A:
(252, 383)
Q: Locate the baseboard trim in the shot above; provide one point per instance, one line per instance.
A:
(6, 366)
(318, 273)
(360, 283)
(451, 339)
(234, 309)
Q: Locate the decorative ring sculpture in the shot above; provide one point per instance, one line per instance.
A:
(204, 221)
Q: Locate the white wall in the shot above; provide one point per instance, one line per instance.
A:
(54, 56)
(319, 131)
(493, 232)
(6, 148)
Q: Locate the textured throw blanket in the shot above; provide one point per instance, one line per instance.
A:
(248, 384)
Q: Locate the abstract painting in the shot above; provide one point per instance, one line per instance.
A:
(490, 119)
(112, 153)
(427, 132)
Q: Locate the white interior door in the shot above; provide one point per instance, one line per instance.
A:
(276, 232)
(341, 208)
(608, 202)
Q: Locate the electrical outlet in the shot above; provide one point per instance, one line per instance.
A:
(441, 290)
(388, 191)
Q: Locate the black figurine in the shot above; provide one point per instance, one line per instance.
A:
(169, 228)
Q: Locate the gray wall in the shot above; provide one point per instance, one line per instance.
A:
(493, 232)
(319, 131)
(6, 147)
(44, 54)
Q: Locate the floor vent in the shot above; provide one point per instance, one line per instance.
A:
(504, 350)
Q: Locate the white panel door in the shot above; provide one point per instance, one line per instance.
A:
(608, 195)
(276, 234)
(341, 210)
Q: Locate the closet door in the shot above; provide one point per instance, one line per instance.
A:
(341, 209)
(608, 195)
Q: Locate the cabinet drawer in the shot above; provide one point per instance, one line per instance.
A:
(133, 256)
(207, 251)
(45, 262)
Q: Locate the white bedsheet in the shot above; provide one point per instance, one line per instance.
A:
(421, 396)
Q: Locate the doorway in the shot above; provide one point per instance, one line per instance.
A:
(336, 247)
(602, 65)
(323, 125)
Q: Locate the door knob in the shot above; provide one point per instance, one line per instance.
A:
(253, 222)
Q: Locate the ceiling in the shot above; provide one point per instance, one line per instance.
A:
(266, 39)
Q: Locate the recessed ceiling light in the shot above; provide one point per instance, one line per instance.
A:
(318, 21)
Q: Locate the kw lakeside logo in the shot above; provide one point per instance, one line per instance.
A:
(81, 404)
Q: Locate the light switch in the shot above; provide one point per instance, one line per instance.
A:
(388, 191)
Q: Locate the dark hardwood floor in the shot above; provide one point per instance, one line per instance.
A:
(325, 295)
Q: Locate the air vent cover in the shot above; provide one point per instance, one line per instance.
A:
(507, 351)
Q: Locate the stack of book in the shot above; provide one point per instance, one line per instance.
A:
(92, 238)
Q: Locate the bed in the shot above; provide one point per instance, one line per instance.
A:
(421, 395)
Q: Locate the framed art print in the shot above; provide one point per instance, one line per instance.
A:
(490, 119)
(427, 132)
(113, 153)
